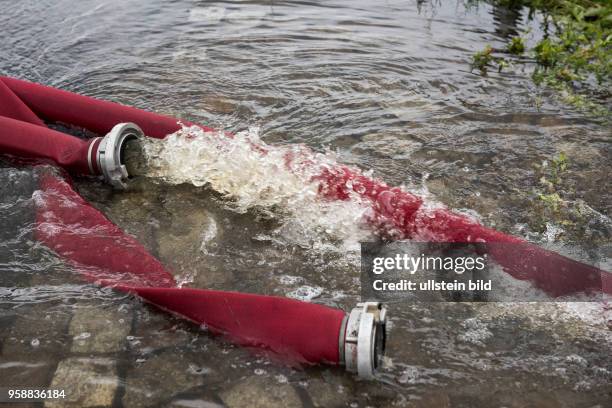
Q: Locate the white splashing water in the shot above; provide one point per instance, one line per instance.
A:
(254, 176)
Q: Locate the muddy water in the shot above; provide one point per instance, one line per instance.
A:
(386, 87)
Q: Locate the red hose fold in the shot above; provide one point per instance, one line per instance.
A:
(13, 107)
(95, 115)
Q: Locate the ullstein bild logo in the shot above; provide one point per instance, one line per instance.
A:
(424, 271)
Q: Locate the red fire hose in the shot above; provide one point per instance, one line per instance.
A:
(397, 213)
(306, 332)
(299, 331)
(23, 139)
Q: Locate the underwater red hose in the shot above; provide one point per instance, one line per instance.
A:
(402, 215)
(397, 213)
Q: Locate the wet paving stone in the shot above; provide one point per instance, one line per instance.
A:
(38, 332)
(88, 382)
(100, 330)
(25, 372)
(257, 392)
(184, 234)
(324, 394)
(154, 330)
(161, 376)
(135, 213)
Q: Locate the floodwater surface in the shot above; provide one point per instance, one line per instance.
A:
(384, 86)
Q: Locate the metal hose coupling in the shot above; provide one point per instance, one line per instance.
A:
(362, 338)
(105, 154)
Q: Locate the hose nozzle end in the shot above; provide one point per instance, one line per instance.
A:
(362, 339)
(105, 156)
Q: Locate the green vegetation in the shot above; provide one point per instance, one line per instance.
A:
(552, 181)
(516, 46)
(484, 59)
(575, 59)
(557, 203)
(559, 165)
(550, 205)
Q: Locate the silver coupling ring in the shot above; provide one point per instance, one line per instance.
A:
(108, 156)
(363, 337)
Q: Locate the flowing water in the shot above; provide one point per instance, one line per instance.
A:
(383, 86)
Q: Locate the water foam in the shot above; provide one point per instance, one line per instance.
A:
(255, 177)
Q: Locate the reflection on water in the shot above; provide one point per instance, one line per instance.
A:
(386, 87)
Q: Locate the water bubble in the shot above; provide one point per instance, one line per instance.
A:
(289, 280)
(409, 376)
(305, 293)
(82, 336)
(338, 294)
(577, 360)
(476, 332)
